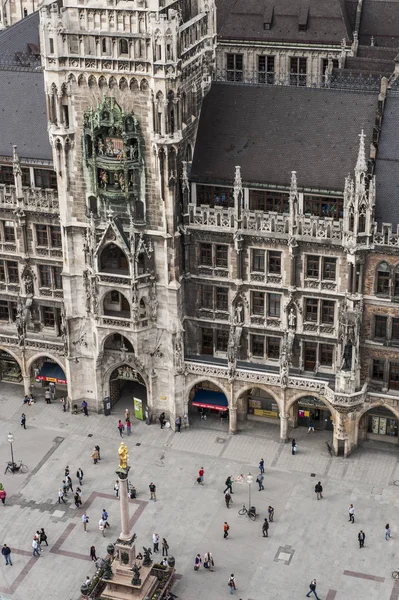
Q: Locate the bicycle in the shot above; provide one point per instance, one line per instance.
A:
(330, 450)
(12, 467)
(251, 512)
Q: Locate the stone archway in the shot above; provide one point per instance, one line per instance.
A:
(310, 409)
(378, 422)
(128, 386)
(10, 366)
(207, 399)
(258, 403)
(47, 371)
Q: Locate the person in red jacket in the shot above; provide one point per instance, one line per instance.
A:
(3, 495)
(201, 476)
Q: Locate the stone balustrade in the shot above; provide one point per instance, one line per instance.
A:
(33, 199)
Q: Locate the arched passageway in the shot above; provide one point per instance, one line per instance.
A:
(10, 369)
(379, 423)
(310, 410)
(256, 404)
(128, 388)
(116, 305)
(48, 374)
(207, 401)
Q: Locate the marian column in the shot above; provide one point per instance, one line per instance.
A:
(122, 473)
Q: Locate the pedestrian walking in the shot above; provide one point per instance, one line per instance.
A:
(66, 471)
(227, 499)
(226, 528)
(93, 555)
(77, 500)
(121, 427)
(259, 481)
(265, 528)
(116, 488)
(69, 483)
(127, 414)
(387, 532)
(85, 410)
(270, 510)
(197, 562)
(79, 475)
(61, 496)
(35, 546)
(318, 488)
(229, 485)
(351, 511)
(65, 488)
(208, 561)
(293, 447)
(85, 520)
(165, 547)
(128, 427)
(37, 538)
(153, 490)
(201, 476)
(104, 517)
(178, 424)
(63, 404)
(79, 493)
(312, 589)
(43, 536)
(311, 427)
(155, 541)
(6, 552)
(3, 495)
(232, 583)
(23, 420)
(101, 526)
(98, 450)
(162, 420)
(51, 387)
(261, 466)
(361, 537)
(94, 456)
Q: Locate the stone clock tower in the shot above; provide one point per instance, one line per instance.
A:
(124, 84)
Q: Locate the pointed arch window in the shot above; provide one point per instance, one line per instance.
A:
(383, 277)
(123, 46)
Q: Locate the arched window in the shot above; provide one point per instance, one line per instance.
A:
(104, 46)
(362, 223)
(139, 210)
(93, 205)
(383, 277)
(116, 305)
(123, 46)
(114, 260)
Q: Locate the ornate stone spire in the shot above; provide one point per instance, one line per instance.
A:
(361, 165)
(16, 165)
(237, 183)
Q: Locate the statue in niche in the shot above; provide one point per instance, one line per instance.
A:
(105, 115)
(110, 147)
(346, 364)
(129, 124)
(100, 146)
(121, 180)
(292, 319)
(239, 314)
(104, 178)
(284, 371)
(28, 283)
(133, 151)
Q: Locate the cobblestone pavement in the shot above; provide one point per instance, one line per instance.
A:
(308, 538)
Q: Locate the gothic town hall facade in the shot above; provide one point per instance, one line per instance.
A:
(199, 210)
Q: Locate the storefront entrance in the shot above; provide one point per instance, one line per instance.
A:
(127, 387)
(207, 401)
(380, 424)
(310, 410)
(257, 405)
(9, 368)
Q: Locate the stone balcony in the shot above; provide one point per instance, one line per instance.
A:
(33, 199)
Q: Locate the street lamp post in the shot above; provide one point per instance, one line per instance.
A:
(10, 438)
(249, 482)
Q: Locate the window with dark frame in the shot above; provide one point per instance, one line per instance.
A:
(206, 254)
(268, 201)
(258, 261)
(380, 327)
(258, 345)
(258, 303)
(327, 312)
(44, 178)
(266, 69)
(212, 195)
(321, 206)
(383, 276)
(4, 312)
(222, 298)
(9, 231)
(378, 370)
(207, 341)
(395, 330)
(45, 276)
(394, 376)
(2, 271)
(206, 296)
(41, 235)
(273, 348)
(48, 316)
(12, 269)
(313, 266)
(274, 262)
(221, 256)
(55, 232)
(234, 64)
(273, 305)
(57, 278)
(310, 355)
(326, 355)
(222, 340)
(311, 309)
(329, 268)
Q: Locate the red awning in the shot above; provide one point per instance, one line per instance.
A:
(212, 406)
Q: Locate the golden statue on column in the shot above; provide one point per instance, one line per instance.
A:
(123, 456)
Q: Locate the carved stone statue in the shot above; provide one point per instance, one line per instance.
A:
(147, 557)
(179, 352)
(346, 364)
(123, 456)
(284, 371)
(28, 279)
(239, 314)
(136, 580)
(292, 318)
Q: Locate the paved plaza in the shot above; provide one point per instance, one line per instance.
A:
(308, 539)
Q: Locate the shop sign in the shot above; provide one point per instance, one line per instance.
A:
(266, 413)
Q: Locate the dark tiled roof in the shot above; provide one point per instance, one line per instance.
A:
(380, 19)
(20, 40)
(327, 23)
(23, 117)
(271, 131)
(387, 164)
